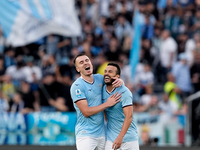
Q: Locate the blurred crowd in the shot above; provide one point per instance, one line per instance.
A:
(38, 76)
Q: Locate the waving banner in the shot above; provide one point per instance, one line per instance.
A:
(26, 21)
(135, 50)
(52, 128)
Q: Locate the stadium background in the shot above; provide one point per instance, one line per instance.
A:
(39, 39)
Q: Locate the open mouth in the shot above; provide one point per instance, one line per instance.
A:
(87, 68)
(106, 77)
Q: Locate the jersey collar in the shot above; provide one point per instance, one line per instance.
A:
(111, 91)
(87, 81)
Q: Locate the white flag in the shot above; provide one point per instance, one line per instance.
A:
(26, 21)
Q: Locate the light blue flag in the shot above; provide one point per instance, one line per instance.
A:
(26, 21)
(134, 54)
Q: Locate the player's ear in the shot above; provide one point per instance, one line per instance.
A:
(117, 76)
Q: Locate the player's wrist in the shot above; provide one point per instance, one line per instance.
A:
(121, 135)
(107, 104)
(104, 106)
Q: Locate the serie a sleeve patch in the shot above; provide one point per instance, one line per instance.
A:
(78, 93)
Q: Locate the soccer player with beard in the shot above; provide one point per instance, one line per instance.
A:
(86, 93)
(121, 132)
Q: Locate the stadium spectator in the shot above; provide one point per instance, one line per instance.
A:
(146, 98)
(28, 97)
(181, 41)
(17, 72)
(126, 48)
(190, 46)
(126, 75)
(147, 29)
(52, 64)
(195, 72)
(112, 15)
(49, 95)
(167, 106)
(41, 52)
(51, 44)
(87, 48)
(152, 107)
(8, 87)
(122, 28)
(9, 57)
(113, 50)
(173, 22)
(173, 90)
(30, 70)
(144, 79)
(19, 105)
(181, 72)
(45, 65)
(4, 106)
(147, 50)
(64, 48)
(102, 61)
(196, 17)
(68, 68)
(146, 139)
(64, 92)
(167, 54)
(156, 40)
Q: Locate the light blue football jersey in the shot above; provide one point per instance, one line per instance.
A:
(115, 115)
(92, 126)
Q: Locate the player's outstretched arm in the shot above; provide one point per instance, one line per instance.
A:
(88, 111)
(128, 112)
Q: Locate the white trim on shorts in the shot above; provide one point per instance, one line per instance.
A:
(133, 145)
(90, 143)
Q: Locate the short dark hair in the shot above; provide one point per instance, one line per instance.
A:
(115, 65)
(80, 54)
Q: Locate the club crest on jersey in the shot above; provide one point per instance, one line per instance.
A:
(78, 93)
(100, 85)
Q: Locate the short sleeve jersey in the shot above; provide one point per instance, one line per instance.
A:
(92, 126)
(115, 115)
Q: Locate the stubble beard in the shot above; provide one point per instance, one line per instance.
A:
(110, 83)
